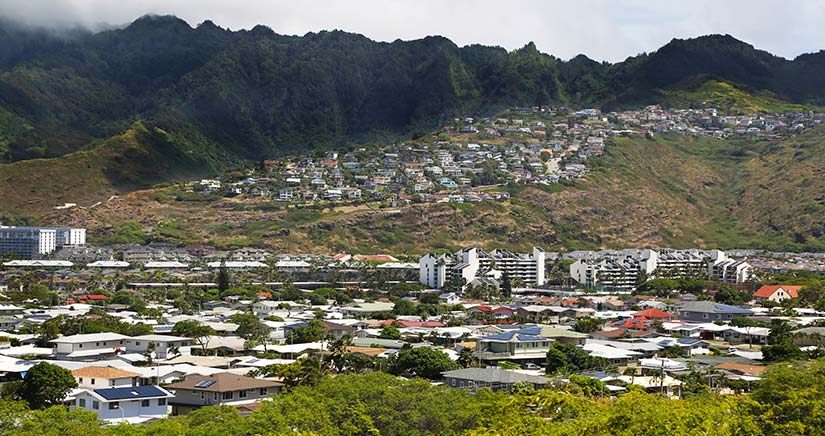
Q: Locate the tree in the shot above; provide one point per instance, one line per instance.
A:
(467, 358)
(423, 362)
(390, 332)
(313, 331)
(729, 295)
(251, 328)
(782, 352)
(195, 330)
(587, 324)
(429, 298)
(404, 307)
(46, 385)
(223, 277)
(506, 285)
(566, 358)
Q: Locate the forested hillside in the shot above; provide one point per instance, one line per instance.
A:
(256, 93)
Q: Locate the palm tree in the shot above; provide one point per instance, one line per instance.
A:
(631, 372)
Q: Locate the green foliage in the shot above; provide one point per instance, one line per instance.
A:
(422, 362)
(251, 328)
(46, 385)
(102, 322)
(788, 400)
(314, 331)
(587, 324)
(728, 295)
(390, 332)
(191, 328)
(566, 358)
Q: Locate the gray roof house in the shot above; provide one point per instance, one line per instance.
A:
(493, 377)
(708, 311)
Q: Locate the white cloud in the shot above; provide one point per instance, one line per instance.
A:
(604, 30)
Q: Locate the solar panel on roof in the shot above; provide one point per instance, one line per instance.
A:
(205, 383)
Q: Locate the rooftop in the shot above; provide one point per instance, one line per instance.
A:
(222, 382)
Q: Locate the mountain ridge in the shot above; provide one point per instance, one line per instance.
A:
(257, 93)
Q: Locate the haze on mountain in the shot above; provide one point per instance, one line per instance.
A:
(255, 93)
(602, 30)
(125, 108)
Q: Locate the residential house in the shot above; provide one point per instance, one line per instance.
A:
(776, 293)
(493, 378)
(94, 346)
(450, 298)
(162, 344)
(515, 345)
(135, 404)
(98, 377)
(222, 388)
(708, 311)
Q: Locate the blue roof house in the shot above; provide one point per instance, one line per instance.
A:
(132, 404)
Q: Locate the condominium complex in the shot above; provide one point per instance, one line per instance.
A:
(31, 242)
(436, 271)
(624, 270)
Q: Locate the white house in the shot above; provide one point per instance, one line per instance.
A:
(450, 298)
(93, 346)
(163, 343)
(133, 404)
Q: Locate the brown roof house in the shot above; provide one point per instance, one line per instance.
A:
(221, 388)
(95, 377)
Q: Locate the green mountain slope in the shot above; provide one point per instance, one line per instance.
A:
(118, 165)
(255, 93)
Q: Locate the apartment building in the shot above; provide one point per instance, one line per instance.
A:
(436, 271)
(31, 242)
(624, 270)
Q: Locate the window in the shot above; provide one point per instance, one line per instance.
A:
(215, 396)
(80, 380)
(705, 316)
(114, 405)
(80, 346)
(144, 403)
(227, 395)
(262, 392)
(81, 402)
(137, 342)
(93, 381)
(242, 393)
(162, 402)
(97, 344)
(95, 404)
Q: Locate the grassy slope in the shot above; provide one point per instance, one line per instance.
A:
(784, 191)
(722, 95)
(671, 191)
(120, 164)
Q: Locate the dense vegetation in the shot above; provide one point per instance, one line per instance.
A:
(158, 99)
(253, 93)
(789, 400)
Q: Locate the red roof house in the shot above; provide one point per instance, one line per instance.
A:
(654, 314)
(776, 293)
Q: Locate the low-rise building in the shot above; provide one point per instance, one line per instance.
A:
(493, 378)
(133, 404)
(221, 388)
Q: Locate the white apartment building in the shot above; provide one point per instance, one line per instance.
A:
(624, 270)
(30, 242)
(436, 271)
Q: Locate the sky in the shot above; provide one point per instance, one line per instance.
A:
(609, 30)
